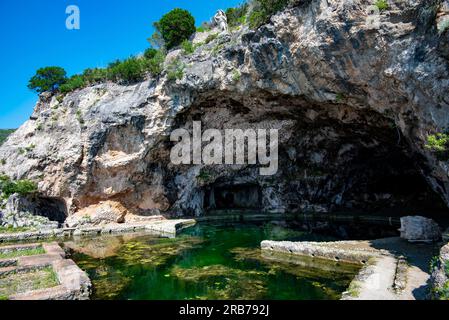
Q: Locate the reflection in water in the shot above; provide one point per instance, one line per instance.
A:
(208, 262)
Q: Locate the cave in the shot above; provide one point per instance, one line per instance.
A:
(54, 209)
(332, 158)
(238, 197)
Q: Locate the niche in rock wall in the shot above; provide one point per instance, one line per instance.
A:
(233, 197)
(54, 209)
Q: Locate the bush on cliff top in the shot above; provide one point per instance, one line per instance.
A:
(47, 79)
(237, 16)
(263, 10)
(75, 82)
(175, 27)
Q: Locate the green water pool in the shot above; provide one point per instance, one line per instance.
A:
(207, 261)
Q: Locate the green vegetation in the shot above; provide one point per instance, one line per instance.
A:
(4, 133)
(150, 53)
(172, 30)
(75, 82)
(175, 27)
(188, 47)
(236, 75)
(14, 230)
(79, 116)
(175, 70)
(439, 144)
(22, 282)
(94, 76)
(237, 16)
(130, 70)
(434, 263)
(263, 10)
(211, 38)
(21, 253)
(381, 5)
(22, 187)
(155, 65)
(47, 79)
(339, 97)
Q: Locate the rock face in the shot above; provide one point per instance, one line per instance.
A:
(419, 229)
(440, 275)
(24, 212)
(354, 103)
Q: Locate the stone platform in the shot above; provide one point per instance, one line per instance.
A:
(393, 269)
(168, 228)
(74, 284)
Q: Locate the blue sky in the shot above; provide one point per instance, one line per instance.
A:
(33, 35)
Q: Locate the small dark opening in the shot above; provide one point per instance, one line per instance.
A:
(52, 208)
(233, 197)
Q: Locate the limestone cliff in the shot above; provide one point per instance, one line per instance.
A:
(354, 102)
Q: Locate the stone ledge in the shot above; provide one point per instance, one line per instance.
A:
(160, 227)
(386, 273)
(74, 284)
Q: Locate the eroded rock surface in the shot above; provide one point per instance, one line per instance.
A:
(354, 105)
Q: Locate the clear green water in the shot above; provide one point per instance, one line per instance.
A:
(207, 262)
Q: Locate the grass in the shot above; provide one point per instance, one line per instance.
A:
(17, 283)
(14, 230)
(236, 75)
(21, 253)
(381, 5)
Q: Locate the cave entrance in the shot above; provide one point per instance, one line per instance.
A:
(54, 209)
(233, 197)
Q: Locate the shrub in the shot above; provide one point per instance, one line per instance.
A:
(175, 27)
(381, 5)
(155, 65)
(47, 79)
(22, 187)
(75, 82)
(236, 75)
(237, 16)
(211, 38)
(96, 75)
(187, 47)
(129, 71)
(150, 53)
(439, 144)
(263, 10)
(175, 70)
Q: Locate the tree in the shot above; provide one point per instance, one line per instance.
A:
(175, 27)
(47, 79)
(150, 53)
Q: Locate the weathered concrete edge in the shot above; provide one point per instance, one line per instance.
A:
(317, 250)
(369, 259)
(163, 228)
